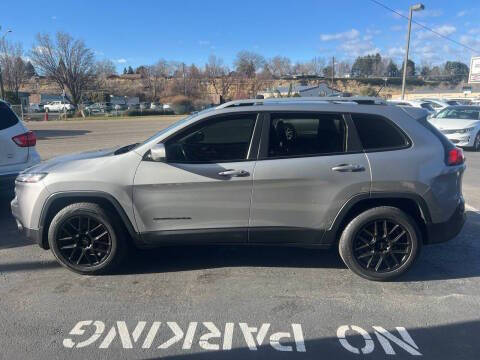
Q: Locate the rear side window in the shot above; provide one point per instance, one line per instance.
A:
(7, 116)
(297, 134)
(378, 133)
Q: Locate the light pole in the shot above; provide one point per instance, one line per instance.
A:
(1, 77)
(416, 7)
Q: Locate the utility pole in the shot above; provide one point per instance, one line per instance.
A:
(184, 84)
(416, 7)
(333, 69)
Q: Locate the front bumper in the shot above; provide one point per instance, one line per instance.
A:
(34, 235)
(462, 140)
(441, 232)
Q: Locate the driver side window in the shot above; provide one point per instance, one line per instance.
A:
(220, 139)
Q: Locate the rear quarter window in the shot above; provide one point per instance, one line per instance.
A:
(379, 133)
(7, 117)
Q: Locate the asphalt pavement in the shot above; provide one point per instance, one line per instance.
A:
(233, 302)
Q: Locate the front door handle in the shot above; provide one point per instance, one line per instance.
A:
(348, 168)
(234, 173)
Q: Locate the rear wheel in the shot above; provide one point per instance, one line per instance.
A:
(476, 143)
(380, 244)
(85, 238)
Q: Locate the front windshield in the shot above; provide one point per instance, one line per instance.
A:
(460, 113)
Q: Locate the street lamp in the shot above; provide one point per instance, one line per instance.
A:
(1, 77)
(416, 7)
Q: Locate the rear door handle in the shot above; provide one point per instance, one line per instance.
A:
(234, 173)
(348, 168)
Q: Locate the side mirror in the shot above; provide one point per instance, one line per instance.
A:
(158, 153)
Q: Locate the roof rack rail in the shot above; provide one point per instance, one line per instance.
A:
(361, 100)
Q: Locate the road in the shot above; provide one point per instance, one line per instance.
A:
(208, 300)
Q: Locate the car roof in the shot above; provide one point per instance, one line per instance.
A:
(464, 107)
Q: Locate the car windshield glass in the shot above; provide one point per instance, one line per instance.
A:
(462, 113)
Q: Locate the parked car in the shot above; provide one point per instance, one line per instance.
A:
(415, 103)
(144, 105)
(263, 172)
(36, 108)
(436, 104)
(460, 124)
(95, 108)
(156, 106)
(120, 107)
(133, 106)
(17, 148)
(58, 106)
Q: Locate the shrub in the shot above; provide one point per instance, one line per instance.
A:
(182, 105)
(145, 112)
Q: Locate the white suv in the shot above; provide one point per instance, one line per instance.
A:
(17, 148)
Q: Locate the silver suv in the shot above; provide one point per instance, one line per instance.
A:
(376, 180)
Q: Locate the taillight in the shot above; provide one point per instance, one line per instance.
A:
(455, 157)
(25, 140)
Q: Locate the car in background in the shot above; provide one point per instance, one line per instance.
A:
(133, 107)
(414, 103)
(57, 106)
(156, 106)
(35, 108)
(120, 107)
(460, 124)
(17, 148)
(144, 105)
(436, 104)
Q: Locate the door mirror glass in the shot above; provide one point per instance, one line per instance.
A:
(157, 153)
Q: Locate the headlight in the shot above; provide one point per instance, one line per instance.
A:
(464, 131)
(30, 177)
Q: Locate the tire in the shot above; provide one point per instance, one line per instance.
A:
(86, 238)
(362, 252)
(476, 143)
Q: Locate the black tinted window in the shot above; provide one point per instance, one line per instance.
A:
(306, 134)
(7, 116)
(216, 140)
(377, 132)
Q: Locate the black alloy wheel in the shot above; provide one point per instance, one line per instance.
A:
(84, 241)
(88, 239)
(476, 143)
(382, 246)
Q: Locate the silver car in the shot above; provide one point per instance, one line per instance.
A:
(375, 180)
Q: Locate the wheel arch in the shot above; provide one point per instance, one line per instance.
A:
(58, 201)
(413, 204)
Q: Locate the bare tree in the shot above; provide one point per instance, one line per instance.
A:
(218, 76)
(154, 77)
(105, 68)
(67, 61)
(280, 66)
(14, 68)
(248, 63)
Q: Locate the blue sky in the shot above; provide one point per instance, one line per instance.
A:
(142, 32)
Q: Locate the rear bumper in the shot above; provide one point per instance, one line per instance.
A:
(441, 232)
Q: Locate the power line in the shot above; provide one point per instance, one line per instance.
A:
(425, 27)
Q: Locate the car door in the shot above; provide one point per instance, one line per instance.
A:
(309, 166)
(203, 190)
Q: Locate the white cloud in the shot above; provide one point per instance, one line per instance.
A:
(473, 42)
(444, 30)
(474, 31)
(357, 47)
(462, 13)
(396, 52)
(203, 42)
(397, 27)
(121, 61)
(347, 35)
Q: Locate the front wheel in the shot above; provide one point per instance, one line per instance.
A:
(85, 238)
(476, 143)
(380, 244)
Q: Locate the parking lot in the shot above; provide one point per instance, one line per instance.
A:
(233, 302)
